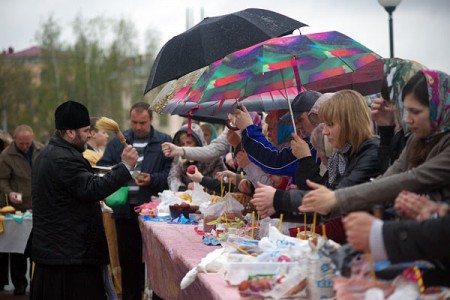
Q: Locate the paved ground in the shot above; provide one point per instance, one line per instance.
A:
(7, 294)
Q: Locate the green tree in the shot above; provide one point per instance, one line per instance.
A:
(51, 90)
(16, 94)
(101, 69)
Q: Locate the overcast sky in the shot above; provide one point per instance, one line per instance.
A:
(419, 26)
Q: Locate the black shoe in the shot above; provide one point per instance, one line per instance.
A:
(20, 290)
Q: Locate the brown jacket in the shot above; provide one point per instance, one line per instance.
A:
(15, 175)
(432, 178)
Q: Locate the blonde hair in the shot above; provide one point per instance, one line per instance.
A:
(349, 109)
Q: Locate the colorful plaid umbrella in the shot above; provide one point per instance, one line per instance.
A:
(326, 62)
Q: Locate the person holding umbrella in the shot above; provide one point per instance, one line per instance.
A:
(421, 168)
(262, 152)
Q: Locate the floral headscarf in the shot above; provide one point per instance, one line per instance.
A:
(439, 101)
(398, 72)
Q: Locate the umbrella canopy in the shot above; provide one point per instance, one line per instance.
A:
(325, 62)
(215, 37)
(173, 88)
(264, 102)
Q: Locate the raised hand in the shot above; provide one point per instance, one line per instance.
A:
(242, 118)
(299, 147)
(130, 156)
(382, 112)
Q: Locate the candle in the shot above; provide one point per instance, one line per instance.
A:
(314, 225)
(253, 224)
(281, 223)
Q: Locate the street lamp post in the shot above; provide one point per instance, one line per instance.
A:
(389, 6)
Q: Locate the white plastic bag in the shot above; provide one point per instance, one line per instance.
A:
(228, 204)
(168, 198)
(201, 267)
(199, 196)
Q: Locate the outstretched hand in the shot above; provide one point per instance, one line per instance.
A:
(413, 206)
(320, 199)
(171, 150)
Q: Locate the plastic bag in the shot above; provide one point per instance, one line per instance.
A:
(168, 198)
(199, 196)
(228, 204)
(118, 198)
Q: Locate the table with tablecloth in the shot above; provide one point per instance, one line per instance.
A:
(170, 251)
(15, 234)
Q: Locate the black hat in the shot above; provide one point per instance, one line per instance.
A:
(301, 103)
(71, 115)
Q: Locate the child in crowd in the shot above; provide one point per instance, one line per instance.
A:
(96, 144)
(178, 179)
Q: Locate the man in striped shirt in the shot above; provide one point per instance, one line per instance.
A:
(150, 177)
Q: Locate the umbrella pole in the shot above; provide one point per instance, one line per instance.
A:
(289, 103)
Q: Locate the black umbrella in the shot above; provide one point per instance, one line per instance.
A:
(215, 37)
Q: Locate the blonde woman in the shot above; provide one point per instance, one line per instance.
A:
(348, 128)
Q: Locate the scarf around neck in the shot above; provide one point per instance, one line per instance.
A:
(338, 163)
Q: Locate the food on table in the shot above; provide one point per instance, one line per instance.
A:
(153, 213)
(148, 206)
(260, 285)
(8, 209)
(183, 208)
(185, 196)
(255, 286)
(215, 198)
(206, 226)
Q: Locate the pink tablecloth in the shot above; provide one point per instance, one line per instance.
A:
(170, 251)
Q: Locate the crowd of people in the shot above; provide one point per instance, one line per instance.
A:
(342, 158)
